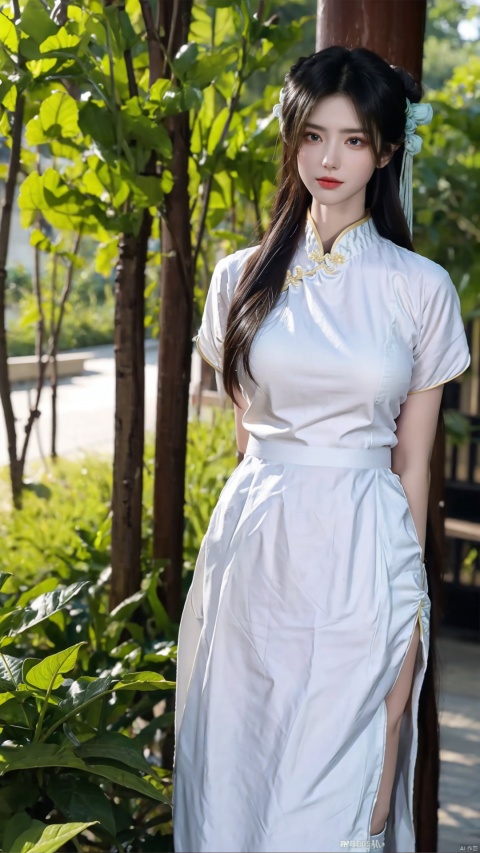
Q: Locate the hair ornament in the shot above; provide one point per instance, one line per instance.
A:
(416, 114)
(277, 110)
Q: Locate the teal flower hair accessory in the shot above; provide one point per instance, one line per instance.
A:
(416, 114)
(277, 110)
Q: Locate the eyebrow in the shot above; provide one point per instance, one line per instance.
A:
(343, 130)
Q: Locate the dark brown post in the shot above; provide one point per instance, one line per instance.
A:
(395, 30)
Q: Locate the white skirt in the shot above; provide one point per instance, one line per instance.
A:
(305, 597)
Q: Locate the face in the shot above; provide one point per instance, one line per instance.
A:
(334, 146)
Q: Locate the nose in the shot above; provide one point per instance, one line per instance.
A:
(330, 157)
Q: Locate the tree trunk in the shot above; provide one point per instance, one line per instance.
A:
(395, 31)
(129, 414)
(175, 351)
(5, 223)
(127, 493)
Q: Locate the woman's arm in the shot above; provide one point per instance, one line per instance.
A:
(241, 433)
(416, 429)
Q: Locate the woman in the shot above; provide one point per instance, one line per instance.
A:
(304, 639)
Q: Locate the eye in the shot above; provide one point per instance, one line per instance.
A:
(356, 139)
(311, 133)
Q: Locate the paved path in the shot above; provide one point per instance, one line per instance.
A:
(85, 415)
(85, 406)
(459, 710)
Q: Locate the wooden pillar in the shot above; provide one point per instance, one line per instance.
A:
(395, 30)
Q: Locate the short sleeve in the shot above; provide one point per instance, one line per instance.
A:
(441, 352)
(209, 340)
(210, 337)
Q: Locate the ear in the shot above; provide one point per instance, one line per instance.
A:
(385, 158)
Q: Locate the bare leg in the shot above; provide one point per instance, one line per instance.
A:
(396, 702)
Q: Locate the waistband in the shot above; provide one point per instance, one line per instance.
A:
(275, 450)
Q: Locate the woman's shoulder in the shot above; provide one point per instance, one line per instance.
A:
(228, 268)
(230, 263)
(417, 267)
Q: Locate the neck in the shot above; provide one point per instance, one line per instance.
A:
(331, 220)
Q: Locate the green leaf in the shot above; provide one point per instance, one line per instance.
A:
(12, 712)
(81, 800)
(144, 681)
(81, 694)
(11, 670)
(209, 65)
(36, 22)
(62, 205)
(151, 187)
(97, 122)
(166, 181)
(105, 256)
(217, 129)
(47, 839)
(48, 674)
(158, 89)
(57, 119)
(4, 576)
(35, 755)
(174, 102)
(8, 34)
(124, 610)
(51, 583)
(41, 608)
(129, 34)
(14, 827)
(184, 58)
(61, 40)
(139, 127)
(52, 755)
(117, 747)
(118, 41)
(148, 786)
(17, 796)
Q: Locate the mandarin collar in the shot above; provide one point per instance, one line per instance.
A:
(355, 238)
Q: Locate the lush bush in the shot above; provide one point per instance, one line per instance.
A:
(87, 708)
(84, 325)
(63, 529)
(80, 720)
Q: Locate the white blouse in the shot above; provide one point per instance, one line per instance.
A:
(354, 331)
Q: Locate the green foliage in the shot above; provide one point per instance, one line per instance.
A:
(69, 722)
(447, 218)
(63, 530)
(444, 47)
(83, 716)
(83, 326)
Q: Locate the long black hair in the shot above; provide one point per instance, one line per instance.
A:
(377, 91)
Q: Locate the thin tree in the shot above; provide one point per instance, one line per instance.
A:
(176, 319)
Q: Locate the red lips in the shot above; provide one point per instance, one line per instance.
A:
(330, 180)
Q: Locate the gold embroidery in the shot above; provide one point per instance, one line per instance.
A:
(316, 255)
(326, 261)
